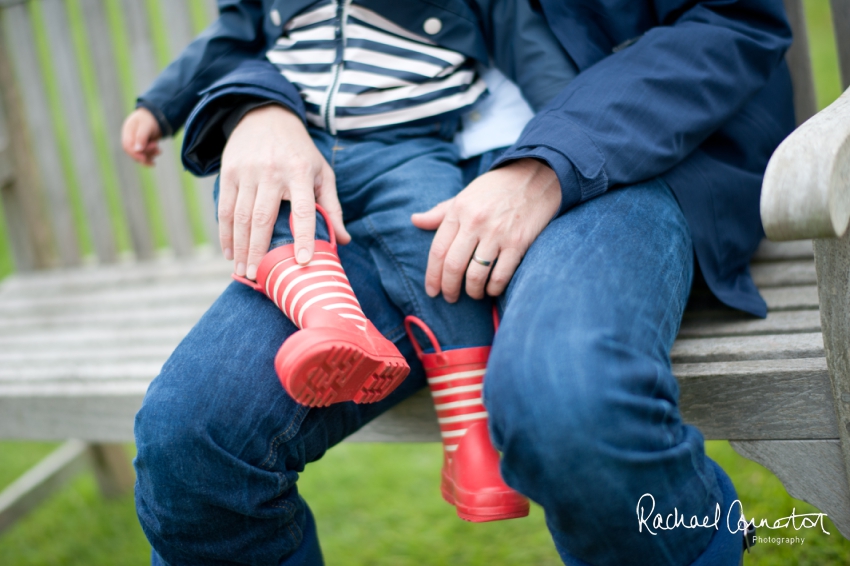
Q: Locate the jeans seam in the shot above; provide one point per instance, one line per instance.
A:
(405, 279)
(298, 417)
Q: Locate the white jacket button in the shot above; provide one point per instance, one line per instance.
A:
(432, 26)
(275, 16)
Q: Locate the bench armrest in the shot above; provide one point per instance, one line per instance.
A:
(806, 189)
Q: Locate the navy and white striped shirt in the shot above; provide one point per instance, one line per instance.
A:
(358, 71)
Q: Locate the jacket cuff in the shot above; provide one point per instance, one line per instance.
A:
(235, 116)
(204, 139)
(164, 126)
(570, 153)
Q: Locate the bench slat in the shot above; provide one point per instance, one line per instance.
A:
(800, 64)
(80, 135)
(167, 171)
(88, 280)
(102, 338)
(787, 400)
(791, 297)
(114, 112)
(783, 251)
(783, 322)
(178, 27)
(128, 297)
(784, 273)
(741, 348)
(19, 35)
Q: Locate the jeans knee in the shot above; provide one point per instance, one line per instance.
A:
(208, 469)
(587, 403)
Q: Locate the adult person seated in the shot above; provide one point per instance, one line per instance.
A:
(651, 156)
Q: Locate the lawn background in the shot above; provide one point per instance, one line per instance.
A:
(375, 504)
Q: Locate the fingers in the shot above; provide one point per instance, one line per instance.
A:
(243, 213)
(431, 219)
(150, 152)
(476, 274)
(263, 217)
(326, 196)
(226, 204)
(456, 264)
(503, 270)
(437, 255)
(303, 219)
(139, 136)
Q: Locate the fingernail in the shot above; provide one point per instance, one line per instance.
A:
(240, 269)
(228, 254)
(138, 147)
(303, 256)
(252, 272)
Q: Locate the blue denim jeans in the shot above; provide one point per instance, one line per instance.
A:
(582, 400)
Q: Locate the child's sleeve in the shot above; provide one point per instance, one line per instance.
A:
(236, 36)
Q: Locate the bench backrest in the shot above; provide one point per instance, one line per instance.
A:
(69, 72)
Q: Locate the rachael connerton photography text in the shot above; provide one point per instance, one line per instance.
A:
(653, 522)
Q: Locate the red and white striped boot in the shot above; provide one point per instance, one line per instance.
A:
(470, 477)
(337, 355)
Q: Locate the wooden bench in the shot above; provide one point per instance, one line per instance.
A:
(81, 337)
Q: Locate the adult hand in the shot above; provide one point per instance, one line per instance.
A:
(497, 216)
(140, 136)
(270, 157)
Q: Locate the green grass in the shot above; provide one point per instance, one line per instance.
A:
(376, 505)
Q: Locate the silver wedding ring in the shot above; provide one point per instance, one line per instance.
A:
(480, 261)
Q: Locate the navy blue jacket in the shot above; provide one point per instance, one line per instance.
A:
(696, 92)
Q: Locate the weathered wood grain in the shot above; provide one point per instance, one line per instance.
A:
(179, 32)
(787, 399)
(80, 135)
(841, 25)
(112, 470)
(799, 61)
(796, 297)
(42, 480)
(27, 223)
(17, 26)
(805, 193)
(116, 298)
(212, 9)
(742, 348)
(92, 337)
(167, 171)
(88, 280)
(811, 470)
(113, 100)
(784, 273)
(412, 420)
(103, 418)
(151, 317)
(734, 324)
(782, 251)
(832, 257)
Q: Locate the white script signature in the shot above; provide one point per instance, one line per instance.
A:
(654, 522)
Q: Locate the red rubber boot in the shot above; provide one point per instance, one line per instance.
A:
(337, 355)
(470, 477)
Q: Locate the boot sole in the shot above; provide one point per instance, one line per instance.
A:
(483, 514)
(318, 373)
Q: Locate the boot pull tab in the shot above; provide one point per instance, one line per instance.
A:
(252, 284)
(424, 328)
(330, 226)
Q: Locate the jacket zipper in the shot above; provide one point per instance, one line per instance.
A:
(328, 109)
